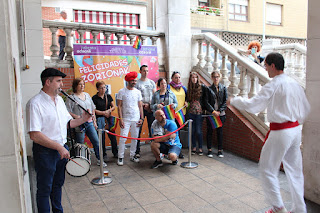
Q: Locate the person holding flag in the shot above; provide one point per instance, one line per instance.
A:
(197, 101)
(164, 97)
(217, 96)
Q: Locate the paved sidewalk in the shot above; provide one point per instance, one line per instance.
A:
(228, 184)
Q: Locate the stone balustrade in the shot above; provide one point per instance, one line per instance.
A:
(81, 28)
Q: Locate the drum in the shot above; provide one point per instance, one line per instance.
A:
(82, 157)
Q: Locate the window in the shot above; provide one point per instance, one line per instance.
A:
(238, 10)
(204, 3)
(274, 14)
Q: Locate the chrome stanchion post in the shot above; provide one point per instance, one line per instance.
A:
(102, 180)
(189, 164)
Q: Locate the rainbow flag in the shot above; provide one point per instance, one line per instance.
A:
(215, 121)
(113, 122)
(169, 112)
(137, 43)
(180, 117)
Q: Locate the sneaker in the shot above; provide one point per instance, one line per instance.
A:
(120, 162)
(161, 156)
(175, 162)
(220, 155)
(200, 153)
(104, 164)
(156, 164)
(137, 155)
(181, 156)
(210, 155)
(134, 159)
(282, 210)
(193, 152)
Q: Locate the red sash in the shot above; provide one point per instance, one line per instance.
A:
(279, 126)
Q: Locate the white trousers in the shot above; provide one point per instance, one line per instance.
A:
(283, 146)
(132, 127)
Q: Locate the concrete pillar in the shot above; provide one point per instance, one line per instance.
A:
(311, 128)
(173, 18)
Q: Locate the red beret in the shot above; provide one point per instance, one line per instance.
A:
(131, 76)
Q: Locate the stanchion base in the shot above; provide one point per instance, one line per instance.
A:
(188, 165)
(103, 181)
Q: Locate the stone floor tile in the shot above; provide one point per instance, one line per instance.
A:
(189, 202)
(255, 200)
(252, 183)
(202, 171)
(150, 173)
(213, 195)
(161, 181)
(88, 196)
(163, 207)
(183, 176)
(218, 180)
(78, 185)
(138, 186)
(111, 191)
(233, 205)
(148, 197)
(121, 203)
(132, 210)
(235, 189)
(205, 209)
(92, 207)
(173, 191)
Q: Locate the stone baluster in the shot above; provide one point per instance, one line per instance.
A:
(232, 89)
(200, 56)
(298, 66)
(242, 84)
(224, 71)
(215, 60)
(131, 38)
(208, 66)
(95, 36)
(263, 114)
(289, 62)
(81, 35)
(54, 47)
(154, 40)
(68, 48)
(143, 39)
(119, 37)
(252, 91)
(107, 37)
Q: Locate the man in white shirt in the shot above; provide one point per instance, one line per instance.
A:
(287, 107)
(130, 111)
(47, 119)
(147, 87)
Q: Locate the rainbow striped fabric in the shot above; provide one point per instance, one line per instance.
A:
(180, 117)
(137, 43)
(215, 121)
(113, 122)
(169, 112)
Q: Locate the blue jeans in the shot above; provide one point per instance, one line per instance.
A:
(101, 122)
(150, 119)
(196, 130)
(50, 171)
(91, 132)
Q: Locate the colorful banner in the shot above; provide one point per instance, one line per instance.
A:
(110, 63)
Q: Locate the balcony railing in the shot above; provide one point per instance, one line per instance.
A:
(251, 77)
(213, 11)
(94, 30)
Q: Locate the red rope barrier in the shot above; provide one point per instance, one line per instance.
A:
(143, 139)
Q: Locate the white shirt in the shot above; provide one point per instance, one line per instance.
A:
(130, 107)
(51, 119)
(146, 88)
(283, 97)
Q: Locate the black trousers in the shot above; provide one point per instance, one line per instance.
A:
(62, 43)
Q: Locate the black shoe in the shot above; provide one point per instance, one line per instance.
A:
(220, 154)
(174, 162)
(210, 155)
(156, 164)
(137, 155)
(193, 152)
(181, 156)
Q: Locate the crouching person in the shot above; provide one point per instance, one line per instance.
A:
(167, 145)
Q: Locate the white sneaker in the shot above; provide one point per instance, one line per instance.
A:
(120, 162)
(104, 164)
(134, 159)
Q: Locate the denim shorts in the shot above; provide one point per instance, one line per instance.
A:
(165, 149)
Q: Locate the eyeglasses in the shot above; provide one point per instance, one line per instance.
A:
(215, 76)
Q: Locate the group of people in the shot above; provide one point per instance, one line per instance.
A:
(48, 117)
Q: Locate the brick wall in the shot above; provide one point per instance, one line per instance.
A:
(48, 13)
(67, 81)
